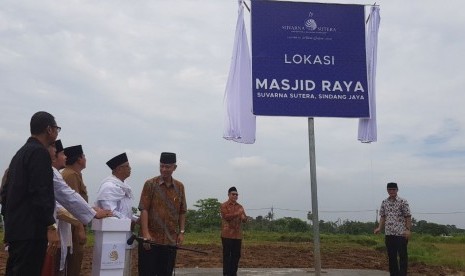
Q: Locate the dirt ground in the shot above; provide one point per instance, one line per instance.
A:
(282, 255)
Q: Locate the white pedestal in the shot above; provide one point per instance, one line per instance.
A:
(109, 246)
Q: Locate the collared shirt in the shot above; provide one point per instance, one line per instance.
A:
(74, 180)
(231, 223)
(164, 203)
(69, 203)
(71, 200)
(394, 211)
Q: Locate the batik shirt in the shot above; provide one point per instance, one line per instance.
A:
(164, 204)
(231, 224)
(395, 212)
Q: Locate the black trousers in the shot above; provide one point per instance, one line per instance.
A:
(397, 247)
(157, 261)
(26, 257)
(231, 255)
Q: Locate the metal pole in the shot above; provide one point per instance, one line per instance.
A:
(316, 223)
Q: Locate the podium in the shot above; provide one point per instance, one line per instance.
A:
(110, 235)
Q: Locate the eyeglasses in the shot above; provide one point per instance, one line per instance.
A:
(58, 128)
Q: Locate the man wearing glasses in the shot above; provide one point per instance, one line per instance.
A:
(115, 195)
(232, 217)
(28, 200)
(163, 217)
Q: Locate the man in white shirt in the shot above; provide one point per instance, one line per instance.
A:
(71, 208)
(116, 195)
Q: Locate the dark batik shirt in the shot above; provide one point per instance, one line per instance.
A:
(164, 204)
(394, 211)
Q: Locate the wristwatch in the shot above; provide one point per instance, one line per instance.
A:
(52, 227)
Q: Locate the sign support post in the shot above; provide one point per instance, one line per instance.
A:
(110, 246)
(315, 221)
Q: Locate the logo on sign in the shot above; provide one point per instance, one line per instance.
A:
(310, 26)
(113, 255)
(310, 23)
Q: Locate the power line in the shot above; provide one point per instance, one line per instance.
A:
(353, 211)
(441, 213)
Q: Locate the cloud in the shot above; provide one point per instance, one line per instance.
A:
(148, 77)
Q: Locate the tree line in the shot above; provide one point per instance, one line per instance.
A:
(207, 218)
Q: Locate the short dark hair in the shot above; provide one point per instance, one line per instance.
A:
(40, 121)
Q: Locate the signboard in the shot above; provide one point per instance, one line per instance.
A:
(309, 60)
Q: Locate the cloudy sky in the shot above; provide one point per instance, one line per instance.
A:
(144, 77)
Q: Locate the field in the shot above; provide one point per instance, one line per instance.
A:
(428, 255)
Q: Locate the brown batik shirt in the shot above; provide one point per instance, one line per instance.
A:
(164, 204)
(231, 223)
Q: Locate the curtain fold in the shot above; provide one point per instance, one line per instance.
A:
(367, 127)
(239, 121)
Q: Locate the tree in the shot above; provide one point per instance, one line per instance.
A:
(328, 227)
(206, 217)
(424, 227)
(297, 225)
(356, 227)
(288, 224)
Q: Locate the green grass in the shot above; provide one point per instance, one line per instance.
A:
(441, 251)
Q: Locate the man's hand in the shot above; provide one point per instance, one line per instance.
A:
(101, 213)
(81, 233)
(53, 241)
(377, 230)
(180, 239)
(407, 234)
(147, 237)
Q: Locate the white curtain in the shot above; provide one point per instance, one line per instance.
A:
(367, 129)
(239, 121)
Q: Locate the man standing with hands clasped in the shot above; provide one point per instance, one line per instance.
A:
(163, 217)
(232, 217)
(396, 219)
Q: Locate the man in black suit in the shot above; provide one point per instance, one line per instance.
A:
(28, 200)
